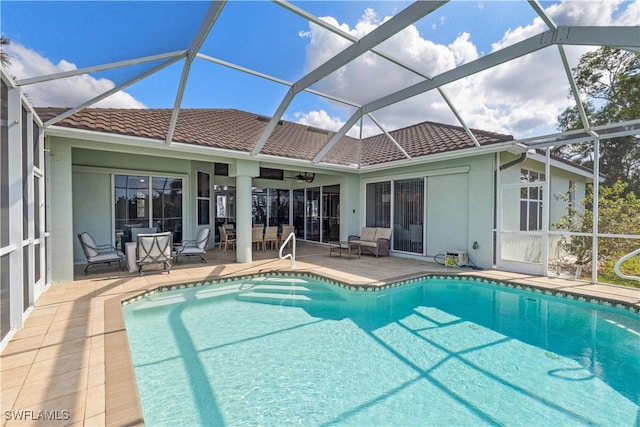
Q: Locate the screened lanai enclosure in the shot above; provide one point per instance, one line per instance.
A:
(436, 119)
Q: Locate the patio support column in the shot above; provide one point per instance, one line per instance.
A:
(61, 212)
(243, 171)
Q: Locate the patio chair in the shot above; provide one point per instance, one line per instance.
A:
(197, 247)
(257, 236)
(98, 254)
(270, 235)
(154, 248)
(225, 240)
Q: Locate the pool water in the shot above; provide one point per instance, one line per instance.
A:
(296, 351)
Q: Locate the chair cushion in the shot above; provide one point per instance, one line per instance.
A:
(383, 233)
(89, 245)
(367, 243)
(368, 233)
(106, 257)
(191, 250)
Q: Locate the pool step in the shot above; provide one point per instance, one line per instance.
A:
(287, 294)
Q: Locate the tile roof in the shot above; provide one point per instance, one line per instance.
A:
(239, 130)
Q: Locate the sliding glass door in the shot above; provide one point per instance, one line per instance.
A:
(408, 215)
(143, 201)
(400, 205)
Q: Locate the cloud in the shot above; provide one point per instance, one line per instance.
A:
(68, 92)
(322, 120)
(522, 97)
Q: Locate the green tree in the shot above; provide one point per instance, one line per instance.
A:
(5, 58)
(619, 213)
(609, 81)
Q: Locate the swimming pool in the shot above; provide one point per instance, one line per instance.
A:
(296, 351)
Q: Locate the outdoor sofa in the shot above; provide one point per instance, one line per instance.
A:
(375, 240)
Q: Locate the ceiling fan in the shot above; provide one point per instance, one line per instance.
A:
(304, 177)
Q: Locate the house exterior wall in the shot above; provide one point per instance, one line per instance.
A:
(459, 194)
(464, 211)
(82, 191)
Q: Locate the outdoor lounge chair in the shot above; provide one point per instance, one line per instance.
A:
(98, 254)
(154, 248)
(197, 247)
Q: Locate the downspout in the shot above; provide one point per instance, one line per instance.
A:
(522, 158)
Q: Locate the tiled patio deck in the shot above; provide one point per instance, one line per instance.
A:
(72, 361)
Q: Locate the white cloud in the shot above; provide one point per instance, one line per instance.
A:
(522, 97)
(68, 92)
(322, 120)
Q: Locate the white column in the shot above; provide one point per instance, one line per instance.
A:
(244, 171)
(243, 219)
(61, 208)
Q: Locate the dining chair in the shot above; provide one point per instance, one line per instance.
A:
(225, 239)
(286, 231)
(270, 236)
(257, 236)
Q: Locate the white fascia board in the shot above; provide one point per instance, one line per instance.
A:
(560, 165)
(306, 164)
(92, 135)
(188, 150)
(176, 147)
(449, 155)
(136, 142)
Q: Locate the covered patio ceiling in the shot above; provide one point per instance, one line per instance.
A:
(212, 42)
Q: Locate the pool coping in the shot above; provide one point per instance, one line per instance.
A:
(122, 401)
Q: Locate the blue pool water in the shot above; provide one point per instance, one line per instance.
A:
(295, 351)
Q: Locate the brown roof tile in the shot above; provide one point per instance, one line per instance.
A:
(238, 130)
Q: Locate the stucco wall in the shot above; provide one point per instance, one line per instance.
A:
(459, 204)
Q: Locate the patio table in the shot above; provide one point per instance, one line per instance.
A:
(341, 247)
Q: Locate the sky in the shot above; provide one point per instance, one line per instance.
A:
(522, 98)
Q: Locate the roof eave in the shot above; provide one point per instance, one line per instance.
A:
(449, 155)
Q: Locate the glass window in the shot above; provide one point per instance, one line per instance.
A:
(4, 296)
(134, 208)
(25, 176)
(259, 205)
(167, 205)
(278, 207)
(330, 213)
(131, 200)
(378, 204)
(313, 214)
(531, 201)
(204, 198)
(25, 278)
(298, 212)
(36, 144)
